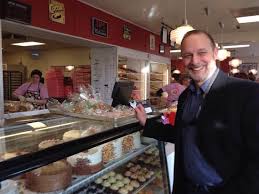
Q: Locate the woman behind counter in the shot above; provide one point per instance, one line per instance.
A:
(34, 92)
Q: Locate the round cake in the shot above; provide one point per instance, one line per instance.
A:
(87, 162)
(127, 144)
(71, 135)
(53, 177)
(108, 152)
(9, 187)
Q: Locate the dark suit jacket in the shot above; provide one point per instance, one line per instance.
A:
(228, 135)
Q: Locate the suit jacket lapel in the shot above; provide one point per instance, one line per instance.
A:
(214, 93)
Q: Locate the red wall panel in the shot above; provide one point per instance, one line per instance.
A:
(78, 22)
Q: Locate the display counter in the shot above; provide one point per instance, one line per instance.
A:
(63, 154)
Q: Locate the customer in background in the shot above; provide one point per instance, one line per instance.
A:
(216, 132)
(172, 91)
(34, 91)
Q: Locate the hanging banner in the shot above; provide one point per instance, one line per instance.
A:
(56, 11)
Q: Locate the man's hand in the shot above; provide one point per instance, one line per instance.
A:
(21, 98)
(141, 114)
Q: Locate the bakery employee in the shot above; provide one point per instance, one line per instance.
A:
(33, 91)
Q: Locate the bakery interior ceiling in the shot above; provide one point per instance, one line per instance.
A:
(150, 13)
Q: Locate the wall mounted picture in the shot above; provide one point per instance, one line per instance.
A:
(99, 27)
(56, 11)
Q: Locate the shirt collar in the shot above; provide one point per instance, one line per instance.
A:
(206, 85)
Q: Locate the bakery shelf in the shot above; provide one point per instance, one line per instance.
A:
(145, 184)
(84, 180)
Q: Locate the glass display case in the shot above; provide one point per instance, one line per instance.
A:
(57, 154)
(158, 79)
(131, 69)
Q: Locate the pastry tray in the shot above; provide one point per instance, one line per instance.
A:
(117, 121)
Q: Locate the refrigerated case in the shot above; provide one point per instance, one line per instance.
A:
(158, 78)
(131, 69)
(38, 154)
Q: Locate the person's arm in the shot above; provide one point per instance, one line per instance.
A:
(155, 129)
(43, 95)
(247, 181)
(19, 92)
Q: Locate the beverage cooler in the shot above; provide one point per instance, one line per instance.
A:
(148, 72)
(62, 154)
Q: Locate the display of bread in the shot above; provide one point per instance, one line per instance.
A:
(53, 177)
(127, 144)
(87, 162)
(50, 142)
(17, 106)
(108, 152)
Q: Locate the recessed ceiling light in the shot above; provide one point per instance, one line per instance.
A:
(248, 19)
(175, 51)
(236, 46)
(30, 43)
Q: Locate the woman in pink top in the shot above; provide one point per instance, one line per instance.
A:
(33, 92)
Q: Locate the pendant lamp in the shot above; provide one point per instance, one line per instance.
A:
(178, 34)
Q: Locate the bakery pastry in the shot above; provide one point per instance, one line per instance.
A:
(108, 152)
(48, 143)
(111, 174)
(87, 162)
(123, 191)
(71, 135)
(120, 184)
(114, 187)
(127, 173)
(129, 187)
(130, 164)
(111, 180)
(141, 179)
(106, 176)
(98, 181)
(127, 143)
(135, 184)
(126, 180)
(53, 177)
(8, 155)
(119, 177)
(106, 184)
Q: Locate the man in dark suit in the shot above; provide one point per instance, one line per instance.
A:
(216, 132)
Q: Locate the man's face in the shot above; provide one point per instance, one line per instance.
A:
(199, 57)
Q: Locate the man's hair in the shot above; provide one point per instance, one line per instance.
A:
(196, 32)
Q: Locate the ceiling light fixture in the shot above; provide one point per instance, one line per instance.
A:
(222, 53)
(248, 19)
(178, 34)
(176, 71)
(235, 63)
(236, 46)
(30, 43)
(70, 67)
(175, 51)
(234, 71)
(253, 71)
